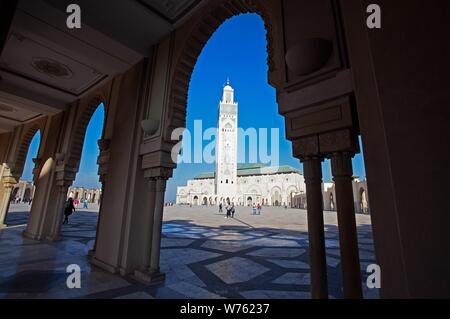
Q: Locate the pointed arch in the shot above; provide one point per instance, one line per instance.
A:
(82, 122)
(209, 20)
(24, 145)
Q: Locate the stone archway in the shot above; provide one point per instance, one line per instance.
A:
(24, 145)
(27, 196)
(207, 22)
(13, 167)
(77, 139)
(291, 191)
(276, 198)
(14, 193)
(189, 45)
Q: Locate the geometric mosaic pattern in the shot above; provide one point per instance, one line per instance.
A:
(199, 262)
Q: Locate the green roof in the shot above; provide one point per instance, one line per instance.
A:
(206, 175)
(248, 166)
(255, 169)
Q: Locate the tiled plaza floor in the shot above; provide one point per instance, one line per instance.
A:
(203, 255)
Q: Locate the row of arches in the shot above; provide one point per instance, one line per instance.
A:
(276, 200)
(31, 163)
(69, 161)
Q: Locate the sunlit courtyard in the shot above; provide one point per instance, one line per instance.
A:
(204, 255)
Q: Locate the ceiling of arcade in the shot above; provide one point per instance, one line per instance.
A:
(45, 66)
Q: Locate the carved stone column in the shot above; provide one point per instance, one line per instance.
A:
(8, 184)
(144, 273)
(317, 258)
(157, 188)
(65, 175)
(157, 225)
(103, 169)
(57, 218)
(341, 165)
(37, 169)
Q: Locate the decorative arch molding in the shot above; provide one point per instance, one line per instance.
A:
(27, 134)
(254, 189)
(274, 189)
(85, 112)
(205, 24)
(291, 189)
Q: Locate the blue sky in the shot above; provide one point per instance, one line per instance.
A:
(32, 153)
(237, 50)
(87, 175)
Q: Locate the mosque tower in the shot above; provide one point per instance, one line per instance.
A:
(226, 147)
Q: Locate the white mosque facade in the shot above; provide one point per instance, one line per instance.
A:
(241, 184)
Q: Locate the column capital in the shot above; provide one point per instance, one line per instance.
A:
(38, 162)
(9, 181)
(65, 174)
(158, 173)
(103, 163)
(341, 164)
(161, 184)
(312, 168)
(104, 144)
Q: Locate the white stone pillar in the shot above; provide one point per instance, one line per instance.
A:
(8, 185)
(4, 205)
(57, 218)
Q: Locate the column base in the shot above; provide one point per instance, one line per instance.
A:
(54, 238)
(31, 236)
(91, 253)
(103, 265)
(147, 277)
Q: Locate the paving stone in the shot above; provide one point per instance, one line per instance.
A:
(277, 240)
(167, 242)
(293, 264)
(277, 252)
(184, 256)
(271, 242)
(236, 270)
(292, 278)
(192, 291)
(333, 262)
(136, 295)
(275, 294)
(228, 246)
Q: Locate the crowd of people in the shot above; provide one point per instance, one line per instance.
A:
(17, 200)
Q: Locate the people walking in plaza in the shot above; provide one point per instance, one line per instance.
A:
(68, 210)
(228, 209)
(258, 208)
(254, 209)
(85, 203)
(220, 208)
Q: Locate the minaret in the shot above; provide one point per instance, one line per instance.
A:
(226, 146)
